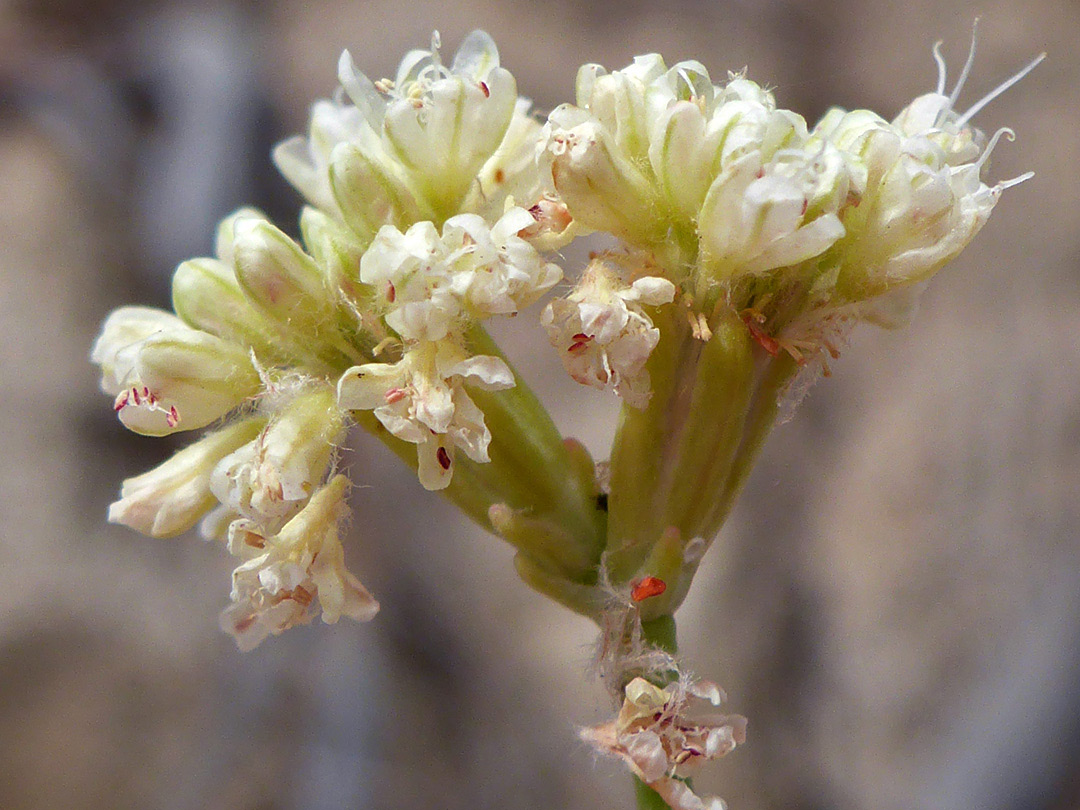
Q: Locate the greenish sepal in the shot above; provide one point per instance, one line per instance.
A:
(710, 436)
(542, 539)
(774, 378)
(588, 600)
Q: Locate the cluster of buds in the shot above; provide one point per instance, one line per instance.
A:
(751, 242)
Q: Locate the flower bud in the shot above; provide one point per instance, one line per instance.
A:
(279, 279)
(183, 381)
(167, 376)
(758, 217)
(445, 124)
(337, 254)
(171, 498)
(602, 189)
(372, 190)
(122, 335)
(206, 295)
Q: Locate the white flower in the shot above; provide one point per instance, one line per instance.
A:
(603, 334)
(167, 376)
(761, 216)
(270, 478)
(429, 283)
(170, 498)
(410, 275)
(662, 744)
(495, 271)
(295, 573)
(422, 399)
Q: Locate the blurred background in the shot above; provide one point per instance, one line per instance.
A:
(895, 605)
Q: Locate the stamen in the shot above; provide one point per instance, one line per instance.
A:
(967, 65)
(1004, 184)
(997, 91)
(1008, 133)
(941, 70)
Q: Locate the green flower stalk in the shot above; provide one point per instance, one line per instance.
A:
(751, 244)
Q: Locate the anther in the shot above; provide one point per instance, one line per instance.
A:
(443, 458)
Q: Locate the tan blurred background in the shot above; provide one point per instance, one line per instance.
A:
(895, 605)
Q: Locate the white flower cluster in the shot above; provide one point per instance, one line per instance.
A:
(434, 142)
(741, 202)
(412, 239)
(431, 288)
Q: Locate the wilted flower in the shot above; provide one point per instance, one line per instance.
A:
(270, 478)
(171, 498)
(656, 736)
(293, 574)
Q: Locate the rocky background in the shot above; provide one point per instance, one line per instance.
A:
(895, 605)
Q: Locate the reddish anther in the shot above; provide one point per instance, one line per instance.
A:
(485, 90)
(172, 418)
(391, 293)
(647, 587)
(394, 395)
(443, 458)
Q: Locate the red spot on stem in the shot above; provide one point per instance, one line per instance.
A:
(646, 588)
